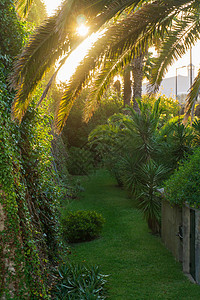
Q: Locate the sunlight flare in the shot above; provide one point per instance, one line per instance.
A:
(77, 56)
(82, 30)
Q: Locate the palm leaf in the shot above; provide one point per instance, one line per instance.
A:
(101, 81)
(184, 33)
(23, 7)
(192, 97)
(53, 39)
(135, 29)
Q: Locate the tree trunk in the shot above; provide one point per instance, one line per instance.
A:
(127, 86)
(137, 79)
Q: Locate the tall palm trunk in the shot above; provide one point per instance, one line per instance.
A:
(136, 85)
(127, 86)
(137, 70)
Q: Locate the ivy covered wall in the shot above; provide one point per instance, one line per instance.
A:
(29, 195)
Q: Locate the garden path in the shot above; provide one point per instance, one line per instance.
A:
(139, 265)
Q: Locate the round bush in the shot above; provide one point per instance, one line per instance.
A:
(81, 226)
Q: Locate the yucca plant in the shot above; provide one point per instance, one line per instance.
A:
(140, 128)
(176, 142)
(150, 175)
(80, 282)
(128, 168)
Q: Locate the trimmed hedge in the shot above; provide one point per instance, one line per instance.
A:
(81, 226)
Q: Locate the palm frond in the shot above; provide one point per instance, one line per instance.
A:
(101, 81)
(135, 29)
(53, 39)
(184, 33)
(23, 7)
(192, 97)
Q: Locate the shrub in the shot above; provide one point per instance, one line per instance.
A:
(80, 161)
(82, 226)
(80, 282)
(184, 185)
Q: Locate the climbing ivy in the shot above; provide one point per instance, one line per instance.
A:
(29, 194)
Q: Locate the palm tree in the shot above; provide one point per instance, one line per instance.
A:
(55, 38)
(122, 41)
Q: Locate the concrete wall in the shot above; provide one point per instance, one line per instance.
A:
(197, 245)
(171, 220)
(186, 239)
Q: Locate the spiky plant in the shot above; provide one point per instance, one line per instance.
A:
(150, 176)
(176, 142)
(196, 127)
(140, 128)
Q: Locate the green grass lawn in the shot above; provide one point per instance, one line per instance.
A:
(140, 267)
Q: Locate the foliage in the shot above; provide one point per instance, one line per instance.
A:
(196, 128)
(29, 194)
(174, 23)
(130, 145)
(183, 186)
(143, 149)
(169, 107)
(17, 244)
(49, 43)
(37, 13)
(80, 282)
(82, 226)
(80, 161)
(76, 131)
(114, 49)
(12, 33)
(133, 134)
(82, 157)
(40, 177)
(138, 263)
(150, 176)
(177, 141)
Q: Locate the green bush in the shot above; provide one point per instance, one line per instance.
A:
(184, 185)
(80, 161)
(82, 226)
(80, 282)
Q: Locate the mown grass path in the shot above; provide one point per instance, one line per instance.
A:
(139, 265)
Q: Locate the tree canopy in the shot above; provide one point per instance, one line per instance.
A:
(125, 35)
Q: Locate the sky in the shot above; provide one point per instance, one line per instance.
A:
(184, 61)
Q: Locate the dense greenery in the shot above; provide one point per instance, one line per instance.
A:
(81, 226)
(139, 265)
(29, 194)
(140, 24)
(82, 157)
(134, 148)
(141, 149)
(184, 186)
